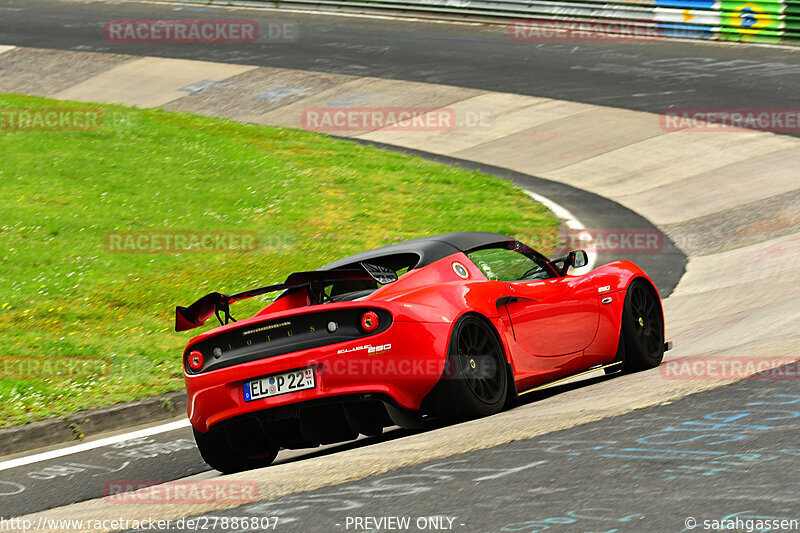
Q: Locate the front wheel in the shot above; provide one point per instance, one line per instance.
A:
(642, 328)
(475, 381)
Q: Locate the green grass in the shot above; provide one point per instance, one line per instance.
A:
(311, 199)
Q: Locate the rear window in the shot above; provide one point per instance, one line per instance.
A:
(349, 290)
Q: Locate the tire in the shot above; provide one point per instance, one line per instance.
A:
(475, 380)
(216, 450)
(642, 328)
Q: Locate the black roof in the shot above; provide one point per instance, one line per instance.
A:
(427, 249)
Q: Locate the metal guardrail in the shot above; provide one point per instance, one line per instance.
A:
(764, 21)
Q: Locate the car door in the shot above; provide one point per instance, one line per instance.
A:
(551, 315)
(555, 316)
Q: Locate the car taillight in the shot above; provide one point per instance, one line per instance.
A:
(370, 321)
(196, 360)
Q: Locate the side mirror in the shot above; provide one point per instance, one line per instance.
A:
(578, 259)
(575, 259)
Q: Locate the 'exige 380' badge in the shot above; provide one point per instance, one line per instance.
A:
(460, 270)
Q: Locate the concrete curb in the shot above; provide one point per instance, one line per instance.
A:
(78, 426)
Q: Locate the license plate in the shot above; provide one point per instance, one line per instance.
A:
(279, 384)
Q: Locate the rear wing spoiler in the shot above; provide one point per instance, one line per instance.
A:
(218, 304)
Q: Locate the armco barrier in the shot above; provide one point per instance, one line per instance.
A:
(769, 21)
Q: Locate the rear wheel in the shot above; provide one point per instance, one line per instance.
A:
(642, 327)
(216, 450)
(475, 381)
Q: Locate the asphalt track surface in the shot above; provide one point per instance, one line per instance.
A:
(718, 455)
(645, 76)
(90, 474)
(578, 486)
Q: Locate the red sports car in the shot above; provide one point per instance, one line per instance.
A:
(453, 326)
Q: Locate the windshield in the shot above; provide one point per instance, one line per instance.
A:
(510, 264)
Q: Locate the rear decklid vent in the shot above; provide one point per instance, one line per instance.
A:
(285, 335)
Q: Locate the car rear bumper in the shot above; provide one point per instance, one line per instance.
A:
(407, 361)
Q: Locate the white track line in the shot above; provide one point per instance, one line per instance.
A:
(61, 452)
(568, 218)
